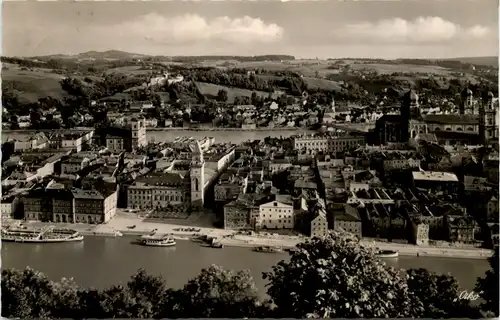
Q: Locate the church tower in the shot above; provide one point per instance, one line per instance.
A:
(411, 117)
(466, 105)
(197, 174)
(488, 120)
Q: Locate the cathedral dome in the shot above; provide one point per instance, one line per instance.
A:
(469, 92)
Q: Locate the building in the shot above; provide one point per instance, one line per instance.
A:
(73, 139)
(93, 206)
(197, 176)
(436, 181)
(9, 206)
(461, 229)
(401, 161)
(60, 202)
(37, 205)
(327, 143)
(348, 220)
(275, 215)
(73, 165)
(36, 141)
(319, 224)
(489, 120)
(128, 137)
(420, 234)
(159, 191)
(492, 209)
(237, 215)
(462, 128)
(183, 184)
(230, 186)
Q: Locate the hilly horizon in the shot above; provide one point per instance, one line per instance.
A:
(118, 54)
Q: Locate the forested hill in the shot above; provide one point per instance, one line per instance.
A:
(271, 57)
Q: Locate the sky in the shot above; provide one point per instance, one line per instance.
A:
(304, 29)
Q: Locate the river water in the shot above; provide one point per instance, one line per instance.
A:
(100, 262)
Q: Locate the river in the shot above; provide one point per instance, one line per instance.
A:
(100, 262)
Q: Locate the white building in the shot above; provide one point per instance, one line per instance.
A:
(275, 215)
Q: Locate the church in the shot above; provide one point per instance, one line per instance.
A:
(476, 122)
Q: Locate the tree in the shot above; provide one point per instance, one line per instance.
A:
(26, 294)
(218, 293)
(487, 286)
(222, 95)
(336, 277)
(440, 294)
(149, 291)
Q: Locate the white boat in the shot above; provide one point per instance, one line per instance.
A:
(155, 240)
(387, 254)
(46, 235)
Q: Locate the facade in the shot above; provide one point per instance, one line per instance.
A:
(421, 234)
(9, 206)
(73, 165)
(92, 206)
(327, 143)
(348, 220)
(37, 206)
(319, 225)
(461, 229)
(63, 206)
(128, 137)
(489, 121)
(401, 163)
(275, 215)
(69, 205)
(237, 215)
(35, 142)
(157, 191)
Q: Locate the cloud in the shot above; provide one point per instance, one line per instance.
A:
(192, 28)
(420, 30)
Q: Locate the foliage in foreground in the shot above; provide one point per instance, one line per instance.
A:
(488, 285)
(325, 277)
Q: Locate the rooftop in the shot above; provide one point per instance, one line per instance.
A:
(435, 176)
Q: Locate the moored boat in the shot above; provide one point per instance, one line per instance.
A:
(387, 254)
(155, 240)
(267, 249)
(46, 235)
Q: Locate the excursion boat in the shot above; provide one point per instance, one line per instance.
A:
(159, 240)
(267, 249)
(216, 245)
(387, 254)
(45, 235)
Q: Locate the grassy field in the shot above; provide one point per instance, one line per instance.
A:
(129, 70)
(33, 85)
(408, 68)
(210, 89)
(315, 83)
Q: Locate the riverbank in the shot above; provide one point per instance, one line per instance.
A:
(136, 226)
(223, 129)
